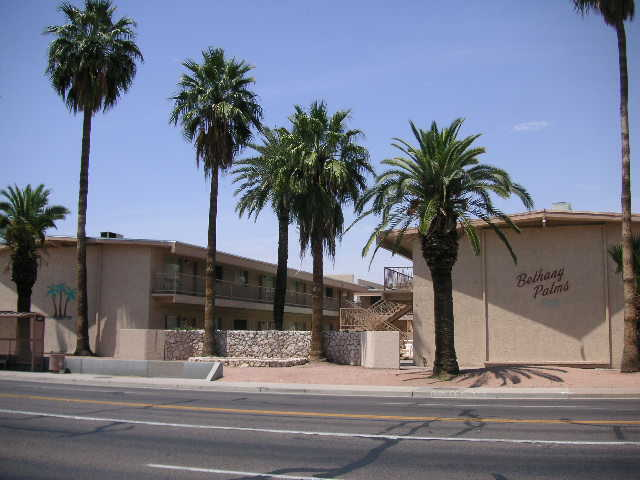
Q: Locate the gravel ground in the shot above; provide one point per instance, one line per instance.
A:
(512, 376)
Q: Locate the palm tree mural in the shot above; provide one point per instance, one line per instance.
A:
(267, 179)
(439, 185)
(332, 172)
(217, 111)
(615, 13)
(60, 293)
(92, 62)
(25, 216)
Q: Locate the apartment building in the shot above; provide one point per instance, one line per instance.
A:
(154, 284)
(561, 303)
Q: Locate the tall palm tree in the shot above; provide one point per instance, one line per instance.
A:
(265, 179)
(25, 216)
(217, 111)
(333, 172)
(92, 62)
(615, 12)
(438, 186)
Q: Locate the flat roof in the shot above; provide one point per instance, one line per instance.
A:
(536, 218)
(196, 251)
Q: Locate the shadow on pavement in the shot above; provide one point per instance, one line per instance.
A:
(480, 377)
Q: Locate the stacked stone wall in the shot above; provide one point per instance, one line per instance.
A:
(183, 344)
(342, 347)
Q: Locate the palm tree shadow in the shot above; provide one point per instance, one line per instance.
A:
(368, 458)
(509, 374)
(505, 374)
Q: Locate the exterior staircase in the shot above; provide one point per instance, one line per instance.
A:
(379, 316)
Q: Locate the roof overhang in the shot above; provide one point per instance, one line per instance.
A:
(401, 244)
(195, 251)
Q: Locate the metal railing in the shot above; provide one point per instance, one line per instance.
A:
(184, 284)
(398, 278)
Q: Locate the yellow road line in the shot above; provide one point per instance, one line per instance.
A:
(294, 413)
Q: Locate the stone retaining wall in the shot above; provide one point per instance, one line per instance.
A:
(183, 344)
(342, 347)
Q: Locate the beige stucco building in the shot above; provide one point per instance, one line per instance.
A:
(150, 284)
(560, 304)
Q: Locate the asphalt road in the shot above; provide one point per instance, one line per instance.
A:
(60, 431)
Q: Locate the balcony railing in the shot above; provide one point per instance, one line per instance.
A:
(398, 278)
(184, 284)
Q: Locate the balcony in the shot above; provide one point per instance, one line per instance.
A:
(183, 284)
(398, 278)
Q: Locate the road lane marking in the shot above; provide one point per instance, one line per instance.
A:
(375, 436)
(519, 406)
(234, 472)
(297, 413)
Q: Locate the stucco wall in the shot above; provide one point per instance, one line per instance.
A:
(125, 292)
(559, 319)
(141, 344)
(57, 266)
(528, 317)
(118, 292)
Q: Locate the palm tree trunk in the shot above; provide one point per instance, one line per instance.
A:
(23, 330)
(210, 272)
(24, 274)
(440, 251)
(317, 307)
(281, 274)
(82, 320)
(630, 356)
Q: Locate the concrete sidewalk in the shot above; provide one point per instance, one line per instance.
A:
(324, 389)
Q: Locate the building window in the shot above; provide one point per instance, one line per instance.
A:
(243, 277)
(328, 292)
(218, 272)
(179, 322)
(266, 281)
(239, 324)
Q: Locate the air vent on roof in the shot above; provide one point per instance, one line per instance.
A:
(561, 206)
(110, 235)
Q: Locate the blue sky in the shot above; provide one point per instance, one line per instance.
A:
(536, 79)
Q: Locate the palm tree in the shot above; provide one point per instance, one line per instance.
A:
(92, 62)
(25, 216)
(615, 252)
(216, 110)
(615, 12)
(439, 185)
(332, 172)
(265, 179)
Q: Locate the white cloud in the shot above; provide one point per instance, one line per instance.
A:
(531, 126)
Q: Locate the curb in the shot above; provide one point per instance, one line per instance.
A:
(329, 390)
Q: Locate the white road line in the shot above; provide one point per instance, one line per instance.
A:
(322, 434)
(522, 406)
(233, 472)
(506, 406)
